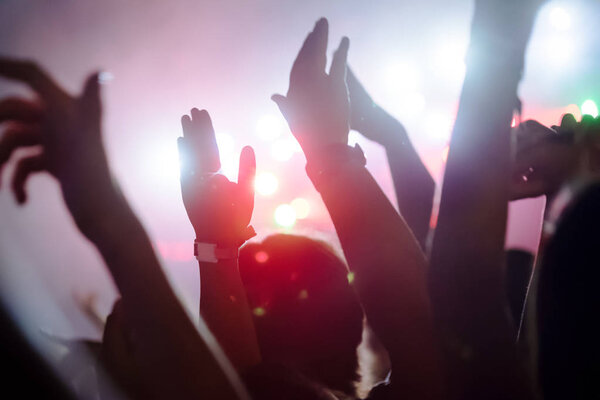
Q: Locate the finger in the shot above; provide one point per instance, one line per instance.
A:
(33, 75)
(18, 136)
(90, 98)
(337, 71)
(313, 53)
(24, 168)
(282, 103)
(17, 109)
(203, 142)
(246, 174)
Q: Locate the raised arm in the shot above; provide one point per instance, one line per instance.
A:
(173, 357)
(220, 212)
(466, 270)
(413, 184)
(388, 265)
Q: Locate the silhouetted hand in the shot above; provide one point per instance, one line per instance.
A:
(544, 158)
(316, 106)
(219, 210)
(368, 118)
(66, 127)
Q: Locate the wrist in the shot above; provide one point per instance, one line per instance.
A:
(332, 160)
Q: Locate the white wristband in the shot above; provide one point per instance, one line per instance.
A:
(209, 252)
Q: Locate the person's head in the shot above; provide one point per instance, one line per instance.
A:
(306, 313)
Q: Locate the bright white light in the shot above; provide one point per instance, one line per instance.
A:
(559, 50)
(228, 155)
(301, 207)
(438, 127)
(410, 104)
(559, 18)
(266, 183)
(449, 60)
(403, 75)
(162, 162)
(105, 77)
(283, 149)
(269, 127)
(285, 216)
(589, 108)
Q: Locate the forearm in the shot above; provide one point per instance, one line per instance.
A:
(414, 186)
(174, 355)
(389, 275)
(466, 273)
(224, 307)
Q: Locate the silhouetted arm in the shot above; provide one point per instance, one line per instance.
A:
(414, 186)
(176, 359)
(466, 267)
(220, 213)
(388, 265)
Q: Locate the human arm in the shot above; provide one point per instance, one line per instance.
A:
(388, 265)
(220, 213)
(174, 357)
(414, 186)
(466, 263)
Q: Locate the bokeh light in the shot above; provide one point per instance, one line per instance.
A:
(301, 207)
(284, 148)
(269, 127)
(266, 183)
(589, 107)
(285, 216)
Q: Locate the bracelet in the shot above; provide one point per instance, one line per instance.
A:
(209, 252)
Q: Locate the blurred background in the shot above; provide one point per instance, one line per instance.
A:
(161, 58)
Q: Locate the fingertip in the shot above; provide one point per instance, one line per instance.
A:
(321, 23)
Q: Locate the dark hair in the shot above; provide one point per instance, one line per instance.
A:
(568, 301)
(306, 313)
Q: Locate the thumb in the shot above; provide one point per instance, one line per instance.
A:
(282, 103)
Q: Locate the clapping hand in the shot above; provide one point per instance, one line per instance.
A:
(219, 210)
(316, 106)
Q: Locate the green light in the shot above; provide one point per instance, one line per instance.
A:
(350, 277)
(259, 311)
(589, 107)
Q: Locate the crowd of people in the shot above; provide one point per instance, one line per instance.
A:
(448, 313)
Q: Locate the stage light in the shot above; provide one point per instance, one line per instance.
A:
(301, 207)
(269, 127)
(227, 154)
(438, 126)
(283, 149)
(266, 183)
(449, 60)
(404, 75)
(285, 216)
(410, 104)
(559, 18)
(589, 107)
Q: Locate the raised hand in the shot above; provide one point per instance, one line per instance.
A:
(66, 127)
(368, 118)
(316, 105)
(544, 158)
(219, 210)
